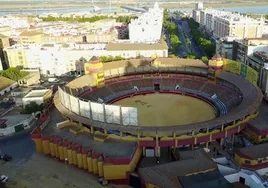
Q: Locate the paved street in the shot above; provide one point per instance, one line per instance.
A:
(183, 49)
(196, 49)
(20, 147)
(184, 32)
(29, 169)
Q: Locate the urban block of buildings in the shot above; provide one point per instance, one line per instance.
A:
(59, 59)
(219, 23)
(57, 48)
(148, 27)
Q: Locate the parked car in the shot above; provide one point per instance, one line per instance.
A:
(3, 178)
(5, 157)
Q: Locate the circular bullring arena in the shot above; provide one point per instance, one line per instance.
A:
(161, 109)
(161, 97)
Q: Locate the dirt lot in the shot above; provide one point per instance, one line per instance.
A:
(168, 109)
(43, 172)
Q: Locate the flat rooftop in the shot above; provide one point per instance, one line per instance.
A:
(255, 152)
(21, 89)
(162, 45)
(167, 175)
(14, 119)
(261, 121)
(37, 93)
(110, 148)
(5, 82)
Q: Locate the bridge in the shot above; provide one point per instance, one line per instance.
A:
(134, 9)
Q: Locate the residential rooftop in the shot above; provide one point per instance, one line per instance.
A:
(5, 82)
(21, 89)
(37, 93)
(14, 119)
(255, 152)
(167, 175)
(162, 45)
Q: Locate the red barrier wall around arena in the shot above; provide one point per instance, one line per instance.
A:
(186, 142)
(218, 135)
(166, 143)
(147, 144)
(203, 139)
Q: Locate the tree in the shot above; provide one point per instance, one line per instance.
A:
(172, 56)
(13, 73)
(204, 59)
(124, 19)
(203, 41)
(175, 43)
(105, 59)
(32, 108)
(172, 29)
(189, 56)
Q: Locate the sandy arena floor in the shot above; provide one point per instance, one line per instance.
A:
(168, 109)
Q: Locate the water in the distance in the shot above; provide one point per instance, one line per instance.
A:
(257, 10)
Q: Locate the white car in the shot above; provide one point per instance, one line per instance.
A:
(3, 178)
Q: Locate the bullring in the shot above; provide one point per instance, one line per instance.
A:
(95, 124)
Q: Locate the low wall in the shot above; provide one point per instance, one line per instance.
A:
(113, 172)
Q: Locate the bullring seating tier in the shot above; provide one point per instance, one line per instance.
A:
(246, 109)
(112, 90)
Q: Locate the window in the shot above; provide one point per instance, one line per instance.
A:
(259, 161)
(247, 162)
(263, 136)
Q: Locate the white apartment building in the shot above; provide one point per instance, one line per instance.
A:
(228, 24)
(14, 22)
(148, 27)
(196, 15)
(196, 12)
(59, 59)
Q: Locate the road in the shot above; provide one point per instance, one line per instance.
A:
(183, 49)
(196, 49)
(30, 169)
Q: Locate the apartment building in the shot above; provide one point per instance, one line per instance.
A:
(244, 48)
(59, 59)
(4, 43)
(31, 37)
(34, 37)
(259, 61)
(196, 12)
(148, 27)
(254, 53)
(196, 15)
(223, 23)
(225, 47)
